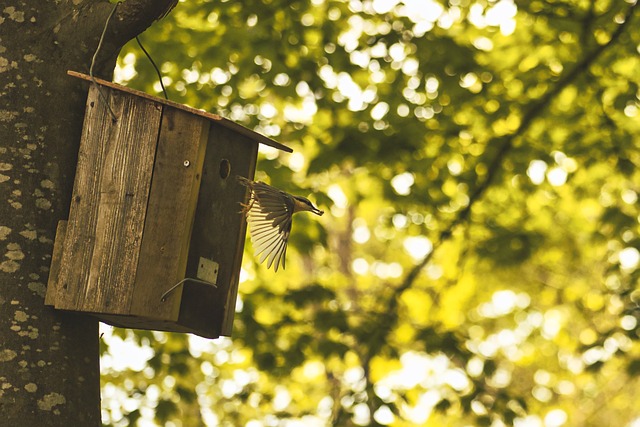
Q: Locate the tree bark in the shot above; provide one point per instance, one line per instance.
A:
(49, 364)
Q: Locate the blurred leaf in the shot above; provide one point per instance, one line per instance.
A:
(495, 141)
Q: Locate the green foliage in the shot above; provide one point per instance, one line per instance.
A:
(478, 262)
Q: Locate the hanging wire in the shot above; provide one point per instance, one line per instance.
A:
(93, 61)
(164, 90)
(95, 55)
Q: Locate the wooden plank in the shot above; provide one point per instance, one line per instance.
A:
(219, 119)
(56, 258)
(78, 244)
(218, 233)
(108, 206)
(170, 214)
(124, 193)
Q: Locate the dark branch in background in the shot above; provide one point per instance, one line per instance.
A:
(587, 24)
(389, 319)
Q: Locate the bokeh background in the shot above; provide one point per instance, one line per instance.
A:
(478, 263)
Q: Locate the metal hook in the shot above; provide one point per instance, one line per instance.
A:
(186, 279)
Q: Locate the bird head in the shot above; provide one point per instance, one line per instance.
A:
(303, 204)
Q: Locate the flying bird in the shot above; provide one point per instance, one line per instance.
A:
(269, 212)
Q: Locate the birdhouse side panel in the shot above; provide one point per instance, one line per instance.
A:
(219, 231)
(109, 201)
(170, 214)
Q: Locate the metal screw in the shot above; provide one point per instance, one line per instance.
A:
(186, 163)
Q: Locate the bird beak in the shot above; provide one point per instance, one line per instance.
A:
(317, 211)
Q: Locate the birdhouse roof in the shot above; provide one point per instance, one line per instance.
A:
(213, 117)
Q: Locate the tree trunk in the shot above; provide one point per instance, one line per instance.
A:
(49, 366)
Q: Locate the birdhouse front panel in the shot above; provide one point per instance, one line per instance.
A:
(155, 236)
(108, 205)
(173, 198)
(219, 228)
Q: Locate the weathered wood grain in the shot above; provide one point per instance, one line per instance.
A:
(78, 246)
(218, 232)
(170, 213)
(108, 207)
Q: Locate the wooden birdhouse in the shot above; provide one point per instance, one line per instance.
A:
(155, 236)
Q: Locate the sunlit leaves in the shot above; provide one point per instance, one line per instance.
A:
(502, 118)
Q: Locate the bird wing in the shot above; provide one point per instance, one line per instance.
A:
(269, 219)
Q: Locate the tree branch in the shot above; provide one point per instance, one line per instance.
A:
(506, 143)
(135, 16)
(131, 18)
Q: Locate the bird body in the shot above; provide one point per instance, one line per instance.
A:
(269, 215)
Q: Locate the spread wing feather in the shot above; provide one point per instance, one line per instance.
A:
(269, 218)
